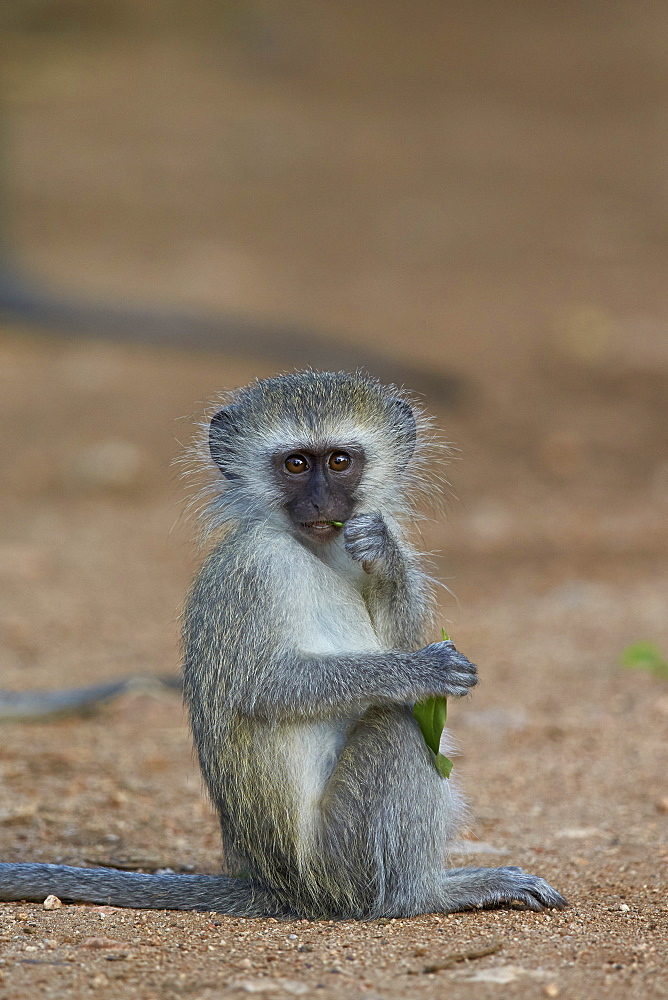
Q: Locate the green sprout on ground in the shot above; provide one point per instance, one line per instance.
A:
(431, 715)
(645, 656)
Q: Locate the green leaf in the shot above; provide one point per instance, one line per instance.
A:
(443, 765)
(337, 524)
(431, 715)
(424, 713)
(645, 656)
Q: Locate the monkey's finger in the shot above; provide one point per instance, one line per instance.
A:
(468, 679)
(460, 662)
(366, 550)
(454, 688)
(452, 657)
(452, 692)
(361, 544)
(364, 522)
(458, 691)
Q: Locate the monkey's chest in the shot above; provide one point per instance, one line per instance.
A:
(336, 621)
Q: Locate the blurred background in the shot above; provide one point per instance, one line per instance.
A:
(468, 198)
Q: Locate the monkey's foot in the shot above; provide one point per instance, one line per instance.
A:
(477, 888)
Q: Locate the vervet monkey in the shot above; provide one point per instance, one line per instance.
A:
(304, 652)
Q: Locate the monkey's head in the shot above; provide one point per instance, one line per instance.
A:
(312, 448)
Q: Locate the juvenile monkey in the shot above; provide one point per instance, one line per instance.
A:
(304, 653)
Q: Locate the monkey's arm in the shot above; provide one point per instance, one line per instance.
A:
(302, 686)
(242, 652)
(397, 594)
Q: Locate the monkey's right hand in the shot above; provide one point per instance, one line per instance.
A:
(367, 539)
(445, 671)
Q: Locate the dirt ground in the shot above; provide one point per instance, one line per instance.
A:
(483, 190)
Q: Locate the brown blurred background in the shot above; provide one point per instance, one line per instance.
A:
(472, 198)
(475, 193)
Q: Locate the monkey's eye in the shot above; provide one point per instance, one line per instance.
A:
(339, 461)
(296, 464)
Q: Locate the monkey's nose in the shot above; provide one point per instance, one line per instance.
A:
(317, 501)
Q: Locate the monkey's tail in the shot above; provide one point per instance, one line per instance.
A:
(236, 897)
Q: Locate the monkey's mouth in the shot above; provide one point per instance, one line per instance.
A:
(320, 529)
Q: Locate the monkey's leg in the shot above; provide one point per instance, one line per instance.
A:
(387, 816)
(393, 828)
(233, 896)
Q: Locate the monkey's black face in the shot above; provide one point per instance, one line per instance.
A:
(319, 487)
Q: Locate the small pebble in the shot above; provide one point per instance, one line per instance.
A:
(101, 942)
(52, 903)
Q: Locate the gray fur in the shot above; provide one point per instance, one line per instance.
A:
(302, 660)
(238, 897)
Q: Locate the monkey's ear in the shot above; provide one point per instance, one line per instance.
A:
(223, 426)
(402, 413)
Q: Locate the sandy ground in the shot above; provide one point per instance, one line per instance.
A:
(499, 213)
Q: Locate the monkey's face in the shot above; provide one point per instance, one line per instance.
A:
(319, 486)
(313, 447)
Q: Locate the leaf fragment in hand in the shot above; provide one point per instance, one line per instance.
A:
(431, 715)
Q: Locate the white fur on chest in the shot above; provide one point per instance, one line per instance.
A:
(323, 601)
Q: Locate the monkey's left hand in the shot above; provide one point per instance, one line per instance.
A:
(368, 539)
